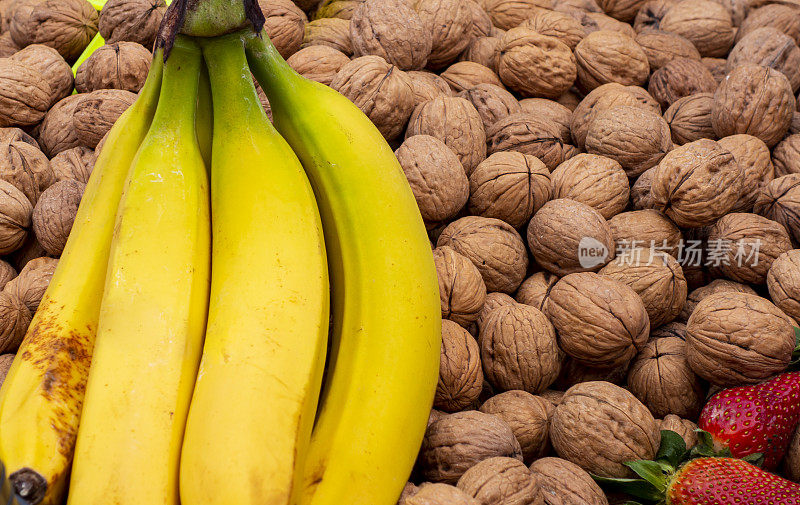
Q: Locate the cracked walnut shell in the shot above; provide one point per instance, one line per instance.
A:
(131, 20)
(597, 181)
(527, 415)
(535, 65)
(393, 30)
(462, 291)
(460, 374)
(565, 483)
(121, 65)
(502, 480)
(608, 56)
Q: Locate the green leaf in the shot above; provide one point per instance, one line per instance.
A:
(756, 459)
(672, 449)
(651, 471)
(635, 487)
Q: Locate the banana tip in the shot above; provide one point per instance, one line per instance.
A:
(29, 485)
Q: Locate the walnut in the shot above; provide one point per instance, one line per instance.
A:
(607, 56)
(481, 22)
(715, 286)
(464, 75)
(600, 426)
(458, 441)
(753, 244)
(483, 50)
(552, 397)
(755, 100)
(5, 366)
(535, 289)
(26, 167)
(527, 416)
(24, 95)
(30, 250)
(14, 320)
(132, 21)
(783, 282)
(708, 25)
(555, 24)
(16, 134)
(566, 236)
(32, 281)
(570, 99)
(602, 99)
(779, 200)
(530, 134)
(65, 25)
(493, 246)
(493, 301)
(637, 138)
(492, 102)
(551, 110)
(605, 22)
(50, 66)
(641, 197)
(786, 156)
(782, 17)
(689, 118)
(679, 78)
(461, 288)
(697, 183)
(645, 228)
(342, 9)
(318, 63)
(7, 273)
(664, 47)
(460, 374)
(439, 494)
(533, 64)
(510, 186)
(507, 14)
(716, 66)
(501, 480)
(738, 338)
(380, 90)
(455, 122)
(97, 112)
(597, 181)
(16, 211)
(795, 126)
(683, 427)
(121, 65)
(565, 483)
(650, 14)
(54, 214)
(7, 48)
(600, 322)
(393, 30)
(75, 164)
(450, 23)
(427, 86)
(435, 175)
(768, 47)
(57, 131)
(753, 158)
(333, 32)
(573, 372)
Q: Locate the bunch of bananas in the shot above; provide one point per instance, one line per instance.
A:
(180, 351)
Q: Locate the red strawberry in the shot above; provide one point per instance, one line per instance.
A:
(728, 481)
(755, 419)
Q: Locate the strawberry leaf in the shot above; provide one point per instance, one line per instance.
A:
(651, 471)
(756, 459)
(672, 449)
(635, 487)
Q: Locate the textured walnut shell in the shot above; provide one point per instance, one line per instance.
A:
(555, 24)
(779, 200)
(460, 373)
(493, 246)
(597, 181)
(76, 164)
(510, 186)
(697, 183)
(533, 64)
(535, 289)
(333, 32)
(501, 480)
(435, 175)
(646, 228)
(708, 25)
(783, 282)
(715, 286)
(600, 322)
(7, 273)
(30, 250)
(455, 122)
(493, 301)
(663, 47)
(318, 63)
(380, 90)
(97, 112)
(565, 483)
(57, 132)
(462, 291)
(530, 134)
(689, 118)
(566, 236)
(16, 211)
(427, 86)
(608, 56)
(641, 196)
(738, 338)
(755, 100)
(600, 426)
(5, 365)
(650, 14)
(573, 372)
(16, 134)
(464, 75)
(32, 281)
(133, 21)
(342, 9)
(768, 47)
(65, 25)
(683, 427)
(782, 17)
(7, 48)
(507, 14)
(527, 416)
(24, 95)
(795, 126)
(607, 23)
(26, 167)
(623, 10)
(54, 214)
(634, 137)
(50, 66)
(481, 22)
(753, 158)
(716, 66)
(439, 494)
(662, 379)
(750, 245)
(656, 277)
(14, 320)
(492, 102)
(122, 65)
(786, 156)
(679, 78)
(519, 349)
(483, 50)
(393, 30)
(450, 24)
(559, 114)
(458, 441)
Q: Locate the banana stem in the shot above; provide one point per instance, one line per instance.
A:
(177, 108)
(269, 67)
(225, 57)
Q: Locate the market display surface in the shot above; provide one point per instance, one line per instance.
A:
(400, 252)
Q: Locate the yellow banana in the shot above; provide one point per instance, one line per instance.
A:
(205, 116)
(384, 362)
(153, 314)
(40, 402)
(257, 389)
